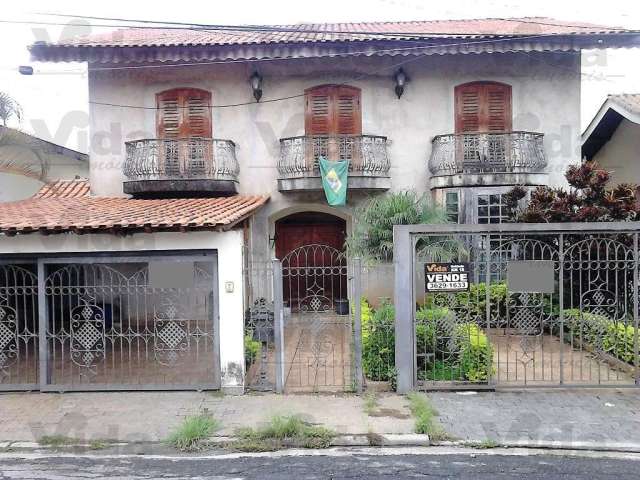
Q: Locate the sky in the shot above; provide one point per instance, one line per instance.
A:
(59, 91)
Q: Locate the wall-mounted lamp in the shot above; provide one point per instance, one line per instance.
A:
(255, 80)
(401, 80)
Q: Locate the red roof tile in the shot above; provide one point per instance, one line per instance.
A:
(65, 189)
(96, 214)
(331, 32)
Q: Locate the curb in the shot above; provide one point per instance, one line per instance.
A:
(619, 447)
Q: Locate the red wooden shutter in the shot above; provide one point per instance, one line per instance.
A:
(468, 108)
(483, 107)
(348, 113)
(498, 105)
(168, 114)
(333, 110)
(318, 112)
(184, 113)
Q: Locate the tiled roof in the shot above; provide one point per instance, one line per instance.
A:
(132, 45)
(629, 101)
(99, 214)
(65, 189)
(328, 32)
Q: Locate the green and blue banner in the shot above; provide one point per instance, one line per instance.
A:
(334, 180)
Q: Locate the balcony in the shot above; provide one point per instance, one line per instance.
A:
(474, 159)
(182, 167)
(367, 154)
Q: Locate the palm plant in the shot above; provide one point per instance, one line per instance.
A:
(9, 107)
(372, 236)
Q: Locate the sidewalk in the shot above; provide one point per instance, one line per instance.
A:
(601, 417)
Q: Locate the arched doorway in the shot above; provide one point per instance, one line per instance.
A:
(311, 248)
(317, 333)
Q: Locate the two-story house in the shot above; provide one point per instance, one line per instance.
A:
(140, 285)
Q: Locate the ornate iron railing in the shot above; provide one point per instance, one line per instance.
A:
(188, 158)
(510, 152)
(367, 155)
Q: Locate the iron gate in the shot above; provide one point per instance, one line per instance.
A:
(109, 323)
(547, 305)
(318, 333)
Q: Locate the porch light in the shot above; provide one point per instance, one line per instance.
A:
(401, 80)
(255, 80)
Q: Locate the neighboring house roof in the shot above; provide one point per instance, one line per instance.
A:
(179, 44)
(65, 189)
(600, 130)
(13, 136)
(105, 214)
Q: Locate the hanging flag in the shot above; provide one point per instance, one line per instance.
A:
(334, 180)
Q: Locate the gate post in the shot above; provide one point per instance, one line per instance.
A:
(357, 323)
(404, 305)
(44, 372)
(278, 323)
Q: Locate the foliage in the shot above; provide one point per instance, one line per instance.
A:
(587, 200)
(193, 431)
(425, 417)
(471, 354)
(281, 431)
(378, 342)
(372, 236)
(615, 338)
(476, 353)
(252, 349)
(9, 107)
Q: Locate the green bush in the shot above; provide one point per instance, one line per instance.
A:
(251, 349)
(476, 353)
(615, 338)
(378, 342)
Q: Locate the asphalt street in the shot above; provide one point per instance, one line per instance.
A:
(345, 465)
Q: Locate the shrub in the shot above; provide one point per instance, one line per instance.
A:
(614, 338)
(378, 342)
(252, 349)
(476, 353)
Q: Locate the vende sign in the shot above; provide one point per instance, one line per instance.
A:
(446, 277)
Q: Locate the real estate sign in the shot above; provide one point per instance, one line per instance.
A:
(446, 277)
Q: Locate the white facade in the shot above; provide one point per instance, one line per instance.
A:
(620, 155)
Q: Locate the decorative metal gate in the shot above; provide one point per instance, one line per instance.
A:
(110, 323)
(18, 327)
(318, 334)
(547, 305)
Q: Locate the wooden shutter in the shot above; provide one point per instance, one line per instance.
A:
(333, 110)
(483, 107)
(318, 111)
(184, 113)
(347, 111)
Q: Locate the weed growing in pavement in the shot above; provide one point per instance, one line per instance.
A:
(426, 421)
(282, 431)
(370, 402)
(193, 431)
(56, 441)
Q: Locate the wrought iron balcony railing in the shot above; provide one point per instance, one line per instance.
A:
(367, 155)
(476, 153)
(181, 159)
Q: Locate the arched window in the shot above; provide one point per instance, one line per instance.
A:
(333, 110)
(183, 113)
(483, 107)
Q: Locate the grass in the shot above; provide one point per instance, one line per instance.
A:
(370, 403)
(282, 431)
(426, 418)
(56, 441)
(484, 444)
(97, 445)
(194, 430)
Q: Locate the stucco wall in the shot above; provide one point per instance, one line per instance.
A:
(546, 98)
(229, 249)
(621, 154)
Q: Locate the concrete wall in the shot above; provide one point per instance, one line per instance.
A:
(621, 154)
(229, 246)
